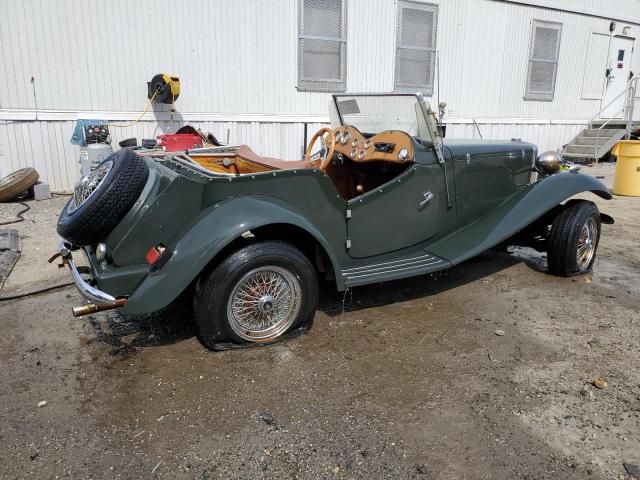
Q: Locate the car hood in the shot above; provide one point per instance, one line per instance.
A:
(475, 146)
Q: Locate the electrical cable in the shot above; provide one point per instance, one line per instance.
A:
(124, 125)
(19, 215)
(35, 292)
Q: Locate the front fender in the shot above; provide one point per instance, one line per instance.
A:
(214, 229)
(516, 213)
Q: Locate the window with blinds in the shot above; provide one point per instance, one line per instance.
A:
(543, 60)
(322, 45)
(416, 47)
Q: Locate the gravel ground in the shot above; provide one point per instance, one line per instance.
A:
(484, 371)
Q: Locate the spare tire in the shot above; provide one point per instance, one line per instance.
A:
(17, 182)
(102, 198)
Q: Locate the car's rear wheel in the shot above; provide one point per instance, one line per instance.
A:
(256, 295)
(574, 238)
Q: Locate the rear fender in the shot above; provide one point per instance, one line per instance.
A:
(215, 228)
(515, 214)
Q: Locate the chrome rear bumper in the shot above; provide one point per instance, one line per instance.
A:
(99, 300)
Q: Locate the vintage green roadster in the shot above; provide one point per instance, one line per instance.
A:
(381, 196)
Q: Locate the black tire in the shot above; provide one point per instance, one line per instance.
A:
(214, 291)
(102, 211)
(17, 182)
(566, 231)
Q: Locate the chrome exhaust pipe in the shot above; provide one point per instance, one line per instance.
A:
(93, 308)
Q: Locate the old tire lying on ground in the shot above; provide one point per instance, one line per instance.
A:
(573, 239)
(102, 198)
(256, 295)
(17, 182)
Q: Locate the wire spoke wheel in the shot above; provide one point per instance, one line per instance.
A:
(264, 303)
(586, 244)
(88, 185)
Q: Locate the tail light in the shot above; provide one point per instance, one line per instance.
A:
(157, 256)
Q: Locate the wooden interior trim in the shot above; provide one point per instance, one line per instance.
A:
(361, 150)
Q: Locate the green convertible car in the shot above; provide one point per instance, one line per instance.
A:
(379, 197)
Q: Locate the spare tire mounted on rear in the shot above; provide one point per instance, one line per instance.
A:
(102, 198)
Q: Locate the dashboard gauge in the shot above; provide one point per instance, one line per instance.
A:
(345, 137)
(403, 154)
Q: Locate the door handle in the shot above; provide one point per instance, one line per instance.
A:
(428, 196)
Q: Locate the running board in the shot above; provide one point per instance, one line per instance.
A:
(420, 263)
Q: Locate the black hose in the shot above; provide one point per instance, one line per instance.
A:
(35, 292)
(19, 215)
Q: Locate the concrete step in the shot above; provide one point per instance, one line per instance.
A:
(605, 132)
(581, 140)
(614, 123)
(577, 157)
(587, 150)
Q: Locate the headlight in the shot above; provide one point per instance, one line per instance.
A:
(548, 163)
(101, 252)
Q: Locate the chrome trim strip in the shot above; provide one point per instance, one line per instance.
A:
(420, 265)
(391, 267)
(403, 260)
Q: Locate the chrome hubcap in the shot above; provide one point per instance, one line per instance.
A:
(586, 244)
(88, 185)
(264, 303)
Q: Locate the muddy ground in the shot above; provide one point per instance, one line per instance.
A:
(402, 380)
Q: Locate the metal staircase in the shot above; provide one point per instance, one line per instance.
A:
(601, 134)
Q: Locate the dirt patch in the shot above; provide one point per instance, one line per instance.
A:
(407, 379)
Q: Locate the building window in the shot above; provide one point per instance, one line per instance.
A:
(416, 47)
(322, 45)
(543, 60)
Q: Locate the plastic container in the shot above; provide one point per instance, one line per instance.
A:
(178, 142)
(627, 177)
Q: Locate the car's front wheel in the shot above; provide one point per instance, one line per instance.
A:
(256, 295)
(574, 238)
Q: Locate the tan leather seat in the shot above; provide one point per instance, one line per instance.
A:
(247, 154)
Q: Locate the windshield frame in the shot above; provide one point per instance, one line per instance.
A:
(428, 116)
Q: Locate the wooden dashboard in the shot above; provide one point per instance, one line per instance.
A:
(388, 146)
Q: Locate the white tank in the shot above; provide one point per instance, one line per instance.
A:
(93, 155)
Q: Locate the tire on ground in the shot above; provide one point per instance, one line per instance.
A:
(564, 236)
(110, 202)
(214, 288)
(17, 182)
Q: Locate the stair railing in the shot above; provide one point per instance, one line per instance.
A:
(627, 110)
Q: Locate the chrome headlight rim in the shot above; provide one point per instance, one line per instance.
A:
(548, 163)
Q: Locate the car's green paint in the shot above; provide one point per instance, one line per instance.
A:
(214, 228)
(480, 194)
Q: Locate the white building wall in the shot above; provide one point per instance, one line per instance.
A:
(237, 61)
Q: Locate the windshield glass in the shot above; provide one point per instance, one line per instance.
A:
(376, 113)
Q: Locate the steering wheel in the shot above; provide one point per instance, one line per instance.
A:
(325, 154)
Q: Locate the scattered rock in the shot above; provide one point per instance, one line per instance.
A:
(33, 456)
(586, 392)
(267, 418)
(422, 469)
(600, 383)
(499, 333)
(632, 470)
(42, 403)
(336, 470)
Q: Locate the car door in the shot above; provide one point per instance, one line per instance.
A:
(410, 209)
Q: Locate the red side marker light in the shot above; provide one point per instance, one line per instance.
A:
(154, 255)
